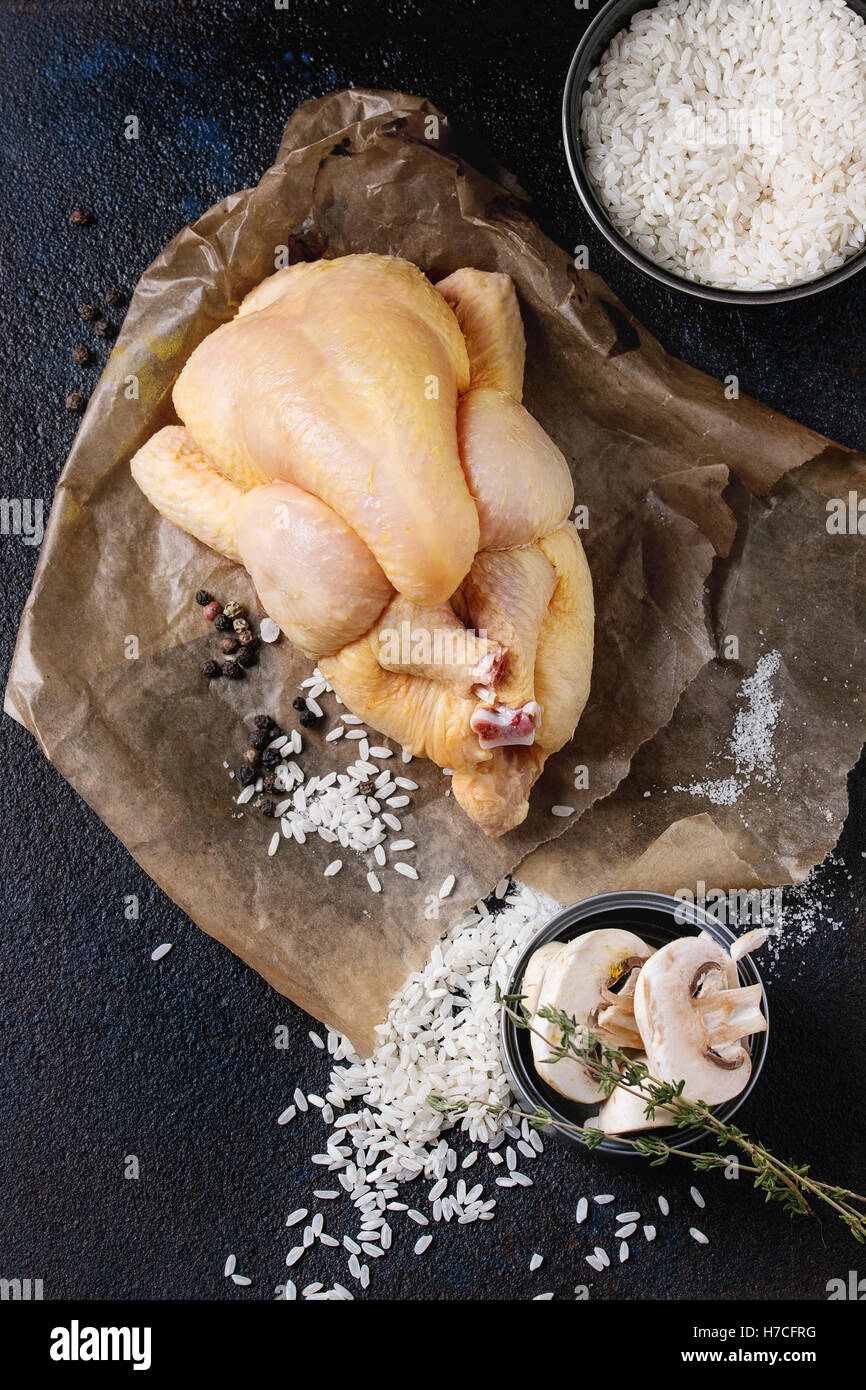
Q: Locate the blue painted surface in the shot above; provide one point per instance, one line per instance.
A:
(103, 1053)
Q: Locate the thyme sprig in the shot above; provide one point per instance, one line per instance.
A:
(789, 1184)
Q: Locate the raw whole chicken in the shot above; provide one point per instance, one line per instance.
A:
(355, 437)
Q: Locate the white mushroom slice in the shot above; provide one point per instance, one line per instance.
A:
(749, 942)
(582, 982)
(692, 1024)
(624, 1113)
(530, 985)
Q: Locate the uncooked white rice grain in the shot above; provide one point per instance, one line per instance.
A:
(230, 1266)
(422, 1244)
(603, 1198)
(161, 951)
(333, 868)
(663, 1205)
(296, 1216)
(288, 1114)
(698, 1236)
(536, 1261)
(275, 841)
(562, 811)
(623, 1252)
(447, 886)
(581, 1211)
(697, 1197)
(649, 1232)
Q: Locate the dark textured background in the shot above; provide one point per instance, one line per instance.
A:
(106, 1054)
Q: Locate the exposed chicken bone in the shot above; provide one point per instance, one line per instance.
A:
(499, 726)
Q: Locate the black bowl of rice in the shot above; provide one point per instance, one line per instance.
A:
(720, 145)
(657, 919)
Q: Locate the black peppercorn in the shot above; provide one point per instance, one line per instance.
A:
(75, 402)
(247, 658)
(245, 775)
(266, 807)
(228, 645)
(260, 740)
(102, 328)
(308, 720)
(202, 596)
(269, 782)
(262, 721)
(87, 312)
(222, 623)
(251, 756)
(232, 670)
(81, 355)
(79, 218)
(113, 297)
(299, 702)
(211, 669)
(247, 638)
(271, 757)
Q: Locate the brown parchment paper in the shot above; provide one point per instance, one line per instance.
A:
(651, 443)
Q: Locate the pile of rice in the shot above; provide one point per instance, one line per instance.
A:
(727, 138)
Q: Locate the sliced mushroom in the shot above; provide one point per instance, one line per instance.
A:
(624, 1113)
(592, 979)
(530, 985)
(750, 941)
(691, 1021)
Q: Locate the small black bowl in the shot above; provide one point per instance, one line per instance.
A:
(611, 18)
(656, 919)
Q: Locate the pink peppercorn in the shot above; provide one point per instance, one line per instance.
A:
(212, 610)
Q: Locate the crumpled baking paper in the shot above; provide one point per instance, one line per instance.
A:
(653, 446)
